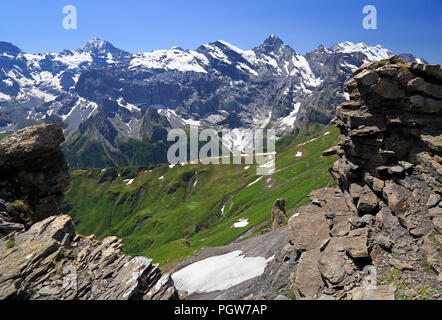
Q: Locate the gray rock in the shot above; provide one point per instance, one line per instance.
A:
(330, 152)
(385, 292)
(39, 257)
(367, 78)
(400, 265)
(279, 215)
(49, 261)
(31, 161)
(368, 219)
(309, 229)
(334, 265)
(433, 200)
(308, 281)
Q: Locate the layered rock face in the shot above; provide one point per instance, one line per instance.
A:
(33, 176)
(379, 234)
(392, 142)
(48, 260)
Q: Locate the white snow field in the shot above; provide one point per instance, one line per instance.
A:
(219, 272)
(241, 223)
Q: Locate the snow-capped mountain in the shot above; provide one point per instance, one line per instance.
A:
(25, 76)
(111, 103)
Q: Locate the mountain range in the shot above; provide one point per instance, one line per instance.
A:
(115, 107)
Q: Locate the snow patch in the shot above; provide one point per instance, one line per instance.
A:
(373, 53)
(311, 140)
(129, 181)
(172, 117)
(289, 121)
(252, 183)
(241, 223)
(219, 272)
(171, 59)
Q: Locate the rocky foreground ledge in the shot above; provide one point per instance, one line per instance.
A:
(47, 260)
(379, 235)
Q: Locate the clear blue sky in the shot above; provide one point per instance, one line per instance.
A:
(403, 26)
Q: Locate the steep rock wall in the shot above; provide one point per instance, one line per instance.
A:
(379, 235)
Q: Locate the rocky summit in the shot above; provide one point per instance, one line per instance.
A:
(41, 257)
(384, 220)
(33, 176)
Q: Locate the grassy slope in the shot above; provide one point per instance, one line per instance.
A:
(169, 219)
(4, 135)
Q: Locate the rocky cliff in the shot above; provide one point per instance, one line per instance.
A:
(33, 176)
(379, 235)
(41, 257)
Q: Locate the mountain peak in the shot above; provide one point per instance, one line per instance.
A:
(9, 48)
(273, 40)
(272, 44)
(95, 44)
(102, 47)
(373, 53)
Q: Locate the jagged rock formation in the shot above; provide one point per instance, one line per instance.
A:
(33, 176)
(279, 216)
(386, 214)
(49, 261)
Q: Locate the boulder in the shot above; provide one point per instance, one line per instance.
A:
(384, 292)
(308, 229)
(308, 281)
(400, 265)
(356, 243)
(33, 174)
(334, 265)
(279, 216)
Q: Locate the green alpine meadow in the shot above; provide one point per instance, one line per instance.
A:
(168, 212)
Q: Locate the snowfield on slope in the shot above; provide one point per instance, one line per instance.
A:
(219, 272)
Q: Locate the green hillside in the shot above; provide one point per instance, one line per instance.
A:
(4, 135)
(168, 213)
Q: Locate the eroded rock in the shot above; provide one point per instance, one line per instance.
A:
(387, 212)
(49, 261)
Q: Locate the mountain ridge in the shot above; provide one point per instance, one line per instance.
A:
(102, 94)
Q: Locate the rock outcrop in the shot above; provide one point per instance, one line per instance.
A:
(33, 176)
(50, 261)
(279, 216)
(46, 259)
(379, 235)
